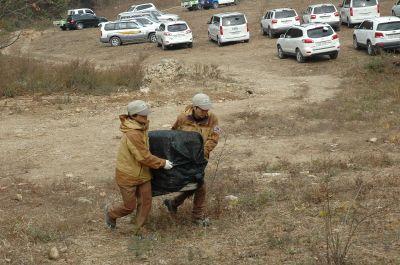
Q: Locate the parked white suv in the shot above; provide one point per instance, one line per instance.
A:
(356, 11)
(309, 40)
(396, 9)
(228, 27)
(322, 13)
(80, 11)
(174, 33)
(278, 21)
(142, 7)
(378, 34)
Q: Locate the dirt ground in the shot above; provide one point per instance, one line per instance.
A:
(53, 149)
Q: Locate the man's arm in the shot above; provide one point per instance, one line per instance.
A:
(212, 138)
(142, 154)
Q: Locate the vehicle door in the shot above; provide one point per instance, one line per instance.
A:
(306, 15)
(345, 10)
(264, 20)
(214, 27)
(295, 40)
(369, 31)
(160, 32)
(287, 43)
(360, 32)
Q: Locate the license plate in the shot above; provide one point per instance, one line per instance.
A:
(322, 43)
(393, 36)
(286, 21)
(235, 32)
(234, 28)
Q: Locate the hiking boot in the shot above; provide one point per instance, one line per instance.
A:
(204, 222)
(170, 206)
(110, 222)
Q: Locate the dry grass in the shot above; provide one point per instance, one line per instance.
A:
(26, 76)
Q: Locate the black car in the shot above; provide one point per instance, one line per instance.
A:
(82, 21)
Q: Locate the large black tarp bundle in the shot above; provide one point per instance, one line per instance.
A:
(186, 151)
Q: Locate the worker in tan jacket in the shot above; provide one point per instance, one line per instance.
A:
(134, 161)
(197, 118)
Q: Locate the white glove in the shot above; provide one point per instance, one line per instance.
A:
(168, 165)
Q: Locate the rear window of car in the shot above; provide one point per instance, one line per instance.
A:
(320, 32)
(233, 20)
(364, 3)
(395, 25)
(285, 14)
(324, 9)
(177, 27)
(109, 26)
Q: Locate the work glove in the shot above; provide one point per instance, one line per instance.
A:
(168, 165)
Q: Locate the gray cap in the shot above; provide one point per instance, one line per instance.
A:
(138, 107)
(202, 101)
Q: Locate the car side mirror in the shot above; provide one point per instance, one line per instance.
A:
(357, 26)
(282, 36)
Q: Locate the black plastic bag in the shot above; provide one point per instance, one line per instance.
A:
(186, 151)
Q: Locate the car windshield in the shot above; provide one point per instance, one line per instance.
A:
(324, 9)
(363, 3)
(395, 25)
(320, 32)
(233, 20)
(285, 14)
(177, 27)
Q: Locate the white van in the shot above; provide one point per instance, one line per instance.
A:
(228, 27)
(356, 11)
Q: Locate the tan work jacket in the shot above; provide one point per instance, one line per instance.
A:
(207, 127)
(134, 158)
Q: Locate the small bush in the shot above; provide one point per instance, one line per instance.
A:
(22, 76)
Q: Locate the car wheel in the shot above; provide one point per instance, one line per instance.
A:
(63, 28)
(190, 45)
(281, 54)
(163, 46)
(270, 34)
(299, 57)
(219, 42)
(355, 43)
(215, 5)
(370, 48)
(152, 37)
(246, 41)
(115, 41)
(158, 44)
(79, 26)
(333, 56)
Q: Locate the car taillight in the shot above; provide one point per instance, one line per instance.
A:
(377, 8)
(274, 21)
(307, 41)
(221, 30)
(297, 18)
(336, 14)
(379, 35)
(167, 34)
(335, 37)
(351, 11)
(313, 16)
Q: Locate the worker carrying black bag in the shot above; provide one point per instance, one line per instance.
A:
(186, 151)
